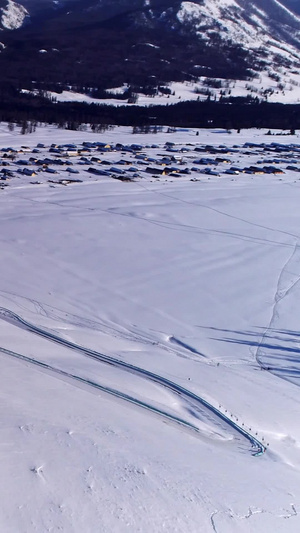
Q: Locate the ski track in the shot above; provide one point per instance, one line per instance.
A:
(113, 330)
(197, 402)
(223, 213)
(182, 227)
(282, 291)
(218, 515)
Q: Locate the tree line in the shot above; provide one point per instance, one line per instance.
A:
(233, 113)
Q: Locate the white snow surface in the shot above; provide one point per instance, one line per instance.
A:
(285, 88)
(13, 15)
(196, 282)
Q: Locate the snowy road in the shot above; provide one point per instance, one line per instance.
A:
(197, 406)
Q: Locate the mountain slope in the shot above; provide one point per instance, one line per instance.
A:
(142, 43)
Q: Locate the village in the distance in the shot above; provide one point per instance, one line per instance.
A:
(69, 163)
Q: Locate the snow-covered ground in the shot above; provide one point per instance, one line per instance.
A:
(281, 86)
(150, 341)
(180, 91)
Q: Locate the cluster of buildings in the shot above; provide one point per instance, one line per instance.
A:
(71, 163)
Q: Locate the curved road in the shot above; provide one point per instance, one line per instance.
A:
(13, 318)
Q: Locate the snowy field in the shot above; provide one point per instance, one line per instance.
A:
(285, 89)
(263, 87)
(150, 348)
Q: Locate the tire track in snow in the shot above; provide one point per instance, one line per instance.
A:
(108, 390)
(190, 397)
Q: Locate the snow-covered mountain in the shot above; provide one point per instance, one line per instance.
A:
(252, 24)
(243, 21)
(268, 29)
(13, 15)
(240, 20)
(233, 39)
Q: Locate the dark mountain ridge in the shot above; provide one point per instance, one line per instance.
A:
(92, 46)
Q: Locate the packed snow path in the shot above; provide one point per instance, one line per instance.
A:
(195, 401)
